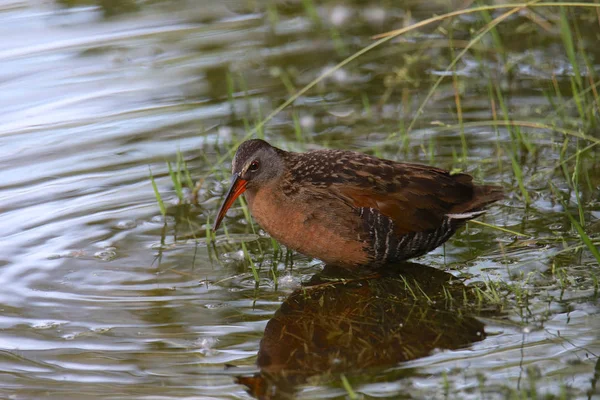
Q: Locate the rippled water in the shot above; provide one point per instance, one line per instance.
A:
(102, 299)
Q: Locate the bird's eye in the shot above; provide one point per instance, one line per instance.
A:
(254, 165)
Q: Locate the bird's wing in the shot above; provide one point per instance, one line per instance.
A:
(416, 198)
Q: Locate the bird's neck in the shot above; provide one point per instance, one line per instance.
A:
(250, 195)
(266, 191)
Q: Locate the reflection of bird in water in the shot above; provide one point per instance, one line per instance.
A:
(346, 324)
(350, 209)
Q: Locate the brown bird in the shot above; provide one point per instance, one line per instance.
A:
(350, 209)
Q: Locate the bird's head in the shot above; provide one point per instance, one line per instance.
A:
(255, 164)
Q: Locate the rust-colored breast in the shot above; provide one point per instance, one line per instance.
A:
(321, 228)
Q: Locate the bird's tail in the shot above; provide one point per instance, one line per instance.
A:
(482, 196)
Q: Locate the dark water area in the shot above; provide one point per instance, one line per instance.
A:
(103, 297)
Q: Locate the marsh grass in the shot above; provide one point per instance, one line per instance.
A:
(159, 200)
(251, 262)
(180, 179)
(384, 38)
(580, 95)
(348, 388)
(577, 225)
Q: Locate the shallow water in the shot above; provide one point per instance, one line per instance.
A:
(104, 298)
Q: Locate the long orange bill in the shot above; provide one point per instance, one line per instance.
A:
(238, 186)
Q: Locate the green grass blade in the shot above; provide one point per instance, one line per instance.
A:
(188, 177)
(252, 266)
(176, 181)
(567, 38)
(584, 237)
(159, 200)
(520, 179)
(499, 228)
(351, 393)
